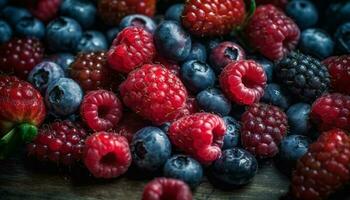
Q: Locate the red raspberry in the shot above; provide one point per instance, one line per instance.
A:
(101, 110)
(331, 111)
(272, 33)
(200, 135)
(45, 10)
(339, 70)
(170, 65)
(132, 48)
(112, 11)
(107, 155)
(324, 169)
(129, 125)
(243, 81)
(20, 102)
(60, 142)
(166, 188)
(278, 3)
(91, 71)
(21, 55)
(264, 126)
(190, 108)
(154, 93)
(213, 18)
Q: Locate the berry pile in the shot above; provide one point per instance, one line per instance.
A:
(198, 88)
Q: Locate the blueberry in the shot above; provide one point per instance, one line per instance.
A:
(82, 11)
(210, 44)
(5, 32)
(267, 65)
(225, 53)
(63, 96)
(303, 12)
(174, 12)
(198, 52)
(150, 148)
(172, 41)
(138, 20)
(231, 138)
(214, 101)
(165, 126)
(92, 41)
(3, 3)
(291, 149)
(197, 75)
(44, 73)
(336, 14)
(13, 14)
(63, 60)
(184, 168)
(298, 119)
(316, 42)
(236, 167)
(111, 34)
(342, 38)
(275, 95)
(63, 34)
(30, 27)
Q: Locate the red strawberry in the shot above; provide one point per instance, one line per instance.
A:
(324, 169)
(21, 55)
(271, 32)
(45, 10)
(339, 70)
(20, 102)
(132, 48)
(213, 18)
(154, 93)
(112, 11)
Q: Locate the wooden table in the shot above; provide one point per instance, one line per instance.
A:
(19, 180)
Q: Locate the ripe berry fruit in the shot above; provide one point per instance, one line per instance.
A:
(263, 128)
(112, 11)
(272, 32)
(91, 71)
(60, 142)
(213, 18)
(101, 110)
(200, 135)
(243, 81)
(339, 70)
(107, 155)
(45, 10)
(129, 125)
(20, 55)
(132, 48)
(154, 93)
(324, 168)
(166, 188)
(331, 111)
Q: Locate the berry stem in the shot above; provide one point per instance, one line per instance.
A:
(20, 134)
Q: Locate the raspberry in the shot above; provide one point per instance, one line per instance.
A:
(324, 169)
(91, 71)
(190, 108)
(243, 81)
(45, 10)
(213, 18)
(112, 11)
(331, 111)
(264, 126)
(200, 135)
(278, 3)
(166, 188)
(59, 142)
(129, 125)
(101, 110)
(272, 32)
(168, 64)
(339, 70)
(132, 48)
(107, 155)
(154, 93)
(304, 76)
(20, 55)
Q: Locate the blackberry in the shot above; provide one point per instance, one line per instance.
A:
(303, 75)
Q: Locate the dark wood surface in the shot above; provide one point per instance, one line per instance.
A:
(19, 180)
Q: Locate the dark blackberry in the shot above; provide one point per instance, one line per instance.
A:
(303, 75)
